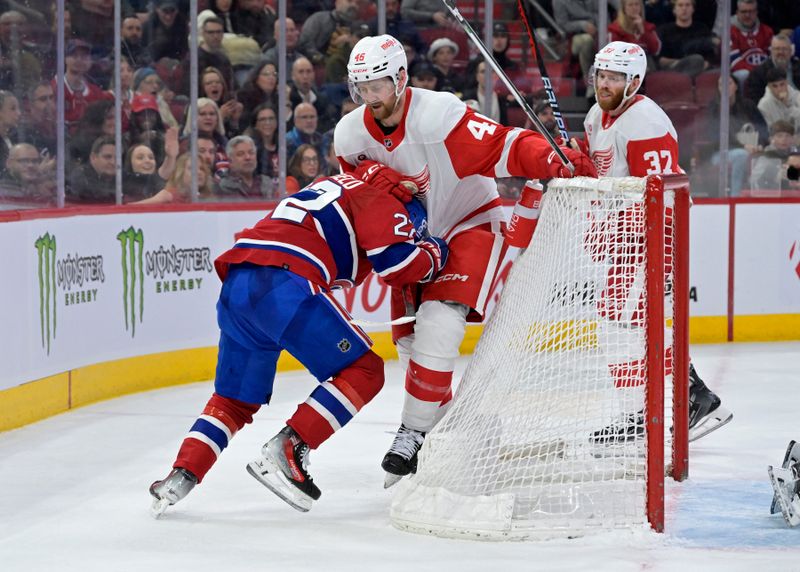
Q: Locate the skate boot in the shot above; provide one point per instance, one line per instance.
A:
(706, 413)
(282, 469)
(401, 459)
(624, 430)
(786, 484)
(792, 457)
(176, 486)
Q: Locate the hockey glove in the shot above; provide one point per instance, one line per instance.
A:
(419, 218)
(387, 179)
(583, 165)
(437, 249)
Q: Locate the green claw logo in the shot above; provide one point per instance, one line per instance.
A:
(132, 243)
(46, 251)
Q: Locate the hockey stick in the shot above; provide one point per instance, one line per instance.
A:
(548, 85)
(396, 322)
(450, 4)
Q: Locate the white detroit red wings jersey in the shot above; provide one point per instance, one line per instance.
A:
(639, 142)
(450, 151)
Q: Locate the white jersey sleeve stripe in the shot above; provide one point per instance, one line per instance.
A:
(501, 169)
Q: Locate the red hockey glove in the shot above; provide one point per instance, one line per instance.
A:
(583, 165)
(387, 179)
(437, 249)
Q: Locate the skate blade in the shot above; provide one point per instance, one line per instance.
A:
(266, 473)
(711, 422)
(391, 479)
(158, 507)
(790, 512)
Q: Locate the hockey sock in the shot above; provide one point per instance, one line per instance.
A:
(222, 417)
(334, 403)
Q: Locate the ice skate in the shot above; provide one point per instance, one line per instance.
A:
(706, 413)
(401, 459)
(624, 430)
(786, 484)
(173, 488)
(792, 457)
(282, 469)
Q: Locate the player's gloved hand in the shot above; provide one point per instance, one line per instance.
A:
(385, 178)
(437, 249)
(583, 164)
(419, 218)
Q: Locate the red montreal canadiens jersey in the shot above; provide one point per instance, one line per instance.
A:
(333, 233)
(750, 49)
(639, 142)
(451, 152)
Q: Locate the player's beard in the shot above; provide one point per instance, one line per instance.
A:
(382, 110)
(608, 99)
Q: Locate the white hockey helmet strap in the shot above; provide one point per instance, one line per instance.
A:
(622, 57)
(375, 57)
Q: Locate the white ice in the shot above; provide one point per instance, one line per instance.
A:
(73, 491)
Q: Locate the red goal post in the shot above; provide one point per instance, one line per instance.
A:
(591, 322)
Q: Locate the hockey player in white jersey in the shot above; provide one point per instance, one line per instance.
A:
(786, 484)
(628, 134)
(452, 154)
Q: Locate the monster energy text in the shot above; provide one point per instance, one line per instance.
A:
(162, 262)
(79, 271)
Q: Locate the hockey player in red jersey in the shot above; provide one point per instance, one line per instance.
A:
(453, 154)
(276, 296)
(627, 134)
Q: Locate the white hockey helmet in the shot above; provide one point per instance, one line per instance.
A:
(622, 57)
(374, 57)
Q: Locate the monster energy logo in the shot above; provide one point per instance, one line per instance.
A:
(46, 251)
(132, 243)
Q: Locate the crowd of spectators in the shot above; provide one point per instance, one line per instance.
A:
(238, 65)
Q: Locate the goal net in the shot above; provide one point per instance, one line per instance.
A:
(557, 427)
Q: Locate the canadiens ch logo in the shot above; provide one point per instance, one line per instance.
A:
(344, 345)
(387, 142)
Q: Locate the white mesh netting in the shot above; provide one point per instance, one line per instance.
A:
(530, 446)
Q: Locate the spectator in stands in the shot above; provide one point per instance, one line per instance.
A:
(261, 87)
(304, 167)
(27, 177)
(423, 75)
(500, 46)
(209, 55)
(9, 121)
(213, 86)
(304, 91)
(498, 106)
(398, 25)
(750, 40)
(242, 181)
(97, 121)
(686, 46)
(147, 82)
(95, 182)
(292, 49)
(209, 126)
(207, 150)
(79, 91)
(305, 129)
(222, 10)
(630, 26)
(19, 67)
(178, 188)
(544, 112)
(769, 167)
(747, 134)
(659, 12)
(147, 127)
(264, 131)
(131, 44)
(412, 51)
(781, 58)
(38, 125)
(442, 53)
(329, 31)
(578, 18)
(166, 31)
(254, 19)
(780, 101)
(140, 178)
(428, 14)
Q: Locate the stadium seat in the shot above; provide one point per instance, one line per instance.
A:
(669, 86)
(706, 87)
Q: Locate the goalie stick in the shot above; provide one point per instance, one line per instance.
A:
(451, 7)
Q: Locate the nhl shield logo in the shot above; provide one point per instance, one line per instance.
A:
(387, 143)
(344, 345)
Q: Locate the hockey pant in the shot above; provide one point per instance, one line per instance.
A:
(262, 311)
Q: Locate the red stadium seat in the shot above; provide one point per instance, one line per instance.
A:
(706, 87)
(669, 86)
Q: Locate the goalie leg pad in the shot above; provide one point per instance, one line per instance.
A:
(786, 484)
(222, 417)
(438, 334)
(334, 403)
(791, 457)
